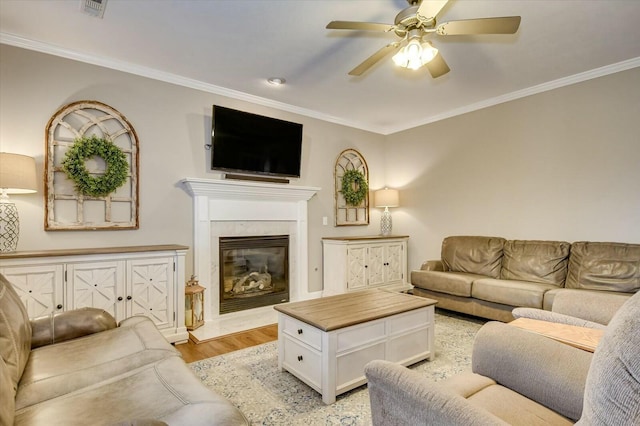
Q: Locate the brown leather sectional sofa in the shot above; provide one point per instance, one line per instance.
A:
(79, 368)
(490, 276)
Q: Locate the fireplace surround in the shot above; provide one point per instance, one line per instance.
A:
(229, 208)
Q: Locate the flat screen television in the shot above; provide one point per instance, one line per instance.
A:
(242, 142)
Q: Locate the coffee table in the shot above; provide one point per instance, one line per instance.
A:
(583, 338)
(326, 342)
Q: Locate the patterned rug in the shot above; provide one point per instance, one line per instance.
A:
(250, 379)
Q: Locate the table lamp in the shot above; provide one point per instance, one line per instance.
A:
(17, 176)
(386, 198)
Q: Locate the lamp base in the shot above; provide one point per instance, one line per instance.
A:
(9, 227)
(385, 222)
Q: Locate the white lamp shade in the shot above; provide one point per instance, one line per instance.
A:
(17, 174)
(387, 198)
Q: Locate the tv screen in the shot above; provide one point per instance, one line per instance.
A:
(248, 143)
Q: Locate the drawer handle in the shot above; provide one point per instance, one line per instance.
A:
(299, 331)
(59, 306)
(299, 357)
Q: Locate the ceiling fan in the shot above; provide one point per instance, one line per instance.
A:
(413, 25)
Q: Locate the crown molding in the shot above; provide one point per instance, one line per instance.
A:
(17, 41)
(533, 90)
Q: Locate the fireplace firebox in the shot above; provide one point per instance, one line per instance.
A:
(254, 272)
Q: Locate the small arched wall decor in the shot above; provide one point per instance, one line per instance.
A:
(65, 207)
(347, 214)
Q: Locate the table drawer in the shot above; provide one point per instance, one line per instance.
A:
(303, 332)
(304, 362)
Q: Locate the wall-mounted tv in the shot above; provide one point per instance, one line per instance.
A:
(248, 143)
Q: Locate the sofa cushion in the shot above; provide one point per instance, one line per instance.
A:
(612, 394)
(15, 331)
(474, 255)
(510, 292)
(604, 266)
(59, 369)
(537, 261)
(456, 283)
(166, 390)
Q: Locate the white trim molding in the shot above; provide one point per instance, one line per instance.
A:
(218, 202)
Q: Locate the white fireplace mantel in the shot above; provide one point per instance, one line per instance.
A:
(218, 200)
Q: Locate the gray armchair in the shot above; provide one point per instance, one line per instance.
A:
(521, 378)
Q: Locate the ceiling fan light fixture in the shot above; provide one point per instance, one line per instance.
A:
(415, 54)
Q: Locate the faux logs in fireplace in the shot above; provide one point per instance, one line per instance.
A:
(254, 272)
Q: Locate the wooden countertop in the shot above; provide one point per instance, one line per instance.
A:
(343, 310)
(89, 251)
(366, 237)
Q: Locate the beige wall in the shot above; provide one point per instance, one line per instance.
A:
(563, 165)
(173, 123)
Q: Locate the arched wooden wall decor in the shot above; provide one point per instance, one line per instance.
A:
(65, 208)
(346, 215)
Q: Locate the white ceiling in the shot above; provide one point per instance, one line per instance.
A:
(230, 47)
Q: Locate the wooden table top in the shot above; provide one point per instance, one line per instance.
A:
(344, 310)
(580, 337)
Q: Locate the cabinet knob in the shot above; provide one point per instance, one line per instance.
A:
(59, 307)
(299, 357)
(366, 266)
(120, 299)
(299, 331)
(129, 297)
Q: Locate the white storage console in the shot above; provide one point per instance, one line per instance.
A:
(326, 342)
(124, 281)
(359, 263)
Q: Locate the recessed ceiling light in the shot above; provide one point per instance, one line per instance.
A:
(276, 81)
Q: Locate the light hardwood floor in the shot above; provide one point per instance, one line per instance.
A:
(192, 352)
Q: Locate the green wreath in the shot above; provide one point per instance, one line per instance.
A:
(96, 186)
(354, 187)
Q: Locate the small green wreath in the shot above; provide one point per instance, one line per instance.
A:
(95, 186)
(354, 187)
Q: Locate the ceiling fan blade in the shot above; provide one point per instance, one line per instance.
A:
(437, 66)
(429, 9)
(371, 60)
(504, 25)
(351, 25)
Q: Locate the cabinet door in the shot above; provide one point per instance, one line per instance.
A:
(356, 267)
(149, 284)
(376, 265)
(40, 287)
(97, 285)
(394, 263)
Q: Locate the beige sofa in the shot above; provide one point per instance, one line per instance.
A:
(78, 368)
(521, 378)
(490, 276)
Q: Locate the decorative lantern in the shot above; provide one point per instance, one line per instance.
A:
(193, 304)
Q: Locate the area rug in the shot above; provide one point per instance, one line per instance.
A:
(250, 379)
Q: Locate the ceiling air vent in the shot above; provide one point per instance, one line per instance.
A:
(93, 7)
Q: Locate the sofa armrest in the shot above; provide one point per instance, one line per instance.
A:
(595, 306)
(402, 397)
(60, 326)
(432, 265)
(542, 315)
(544, 370)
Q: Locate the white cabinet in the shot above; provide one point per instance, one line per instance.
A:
(124, 281)
(358, 263)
